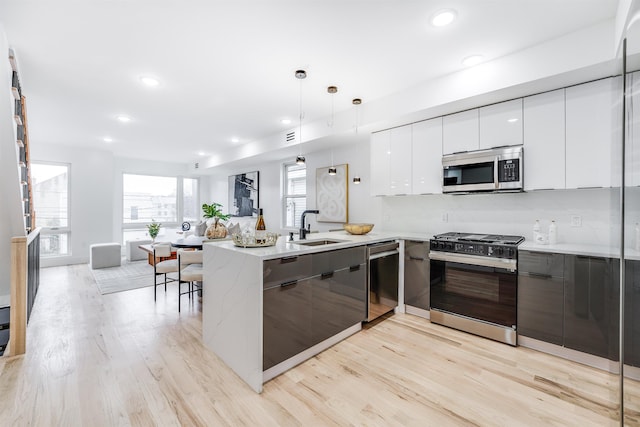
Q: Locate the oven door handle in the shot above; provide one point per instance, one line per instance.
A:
(507, 264)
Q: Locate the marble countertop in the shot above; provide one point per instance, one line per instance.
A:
(580, 249)
(284, 248)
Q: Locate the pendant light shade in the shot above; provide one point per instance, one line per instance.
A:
(333, 170)
(356, 180)
(300, 160)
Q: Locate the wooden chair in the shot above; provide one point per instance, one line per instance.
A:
(163, 267)
(190, 272)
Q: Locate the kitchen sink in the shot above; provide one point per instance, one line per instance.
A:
(318, 242)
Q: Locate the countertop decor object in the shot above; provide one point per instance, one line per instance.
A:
(249, 240)
(358, 228)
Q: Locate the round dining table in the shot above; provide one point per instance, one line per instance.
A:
(190, 242)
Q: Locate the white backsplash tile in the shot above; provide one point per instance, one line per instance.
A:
(514, 213)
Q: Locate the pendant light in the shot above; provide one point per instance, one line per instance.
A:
(300, 75)
(332, 90)
(332, 170)
(356, 102)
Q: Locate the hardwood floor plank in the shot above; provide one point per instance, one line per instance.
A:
(123, 360)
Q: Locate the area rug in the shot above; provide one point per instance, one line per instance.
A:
(130, 275)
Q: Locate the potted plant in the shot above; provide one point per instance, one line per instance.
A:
(153, 229)
(213, 214)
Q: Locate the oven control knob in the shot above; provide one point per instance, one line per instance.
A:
(450, 246)
(499, 251)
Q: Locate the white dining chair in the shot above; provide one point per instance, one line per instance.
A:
(189, 272)
(161, 250)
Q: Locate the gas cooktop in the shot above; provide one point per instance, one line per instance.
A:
(497, 239)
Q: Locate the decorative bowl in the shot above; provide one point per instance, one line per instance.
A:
(358, 228)
(249, 240)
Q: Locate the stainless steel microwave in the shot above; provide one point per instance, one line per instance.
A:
(495, 169)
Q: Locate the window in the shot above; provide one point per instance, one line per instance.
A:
(191, 208)
(51, 205)
(165, 199)
(294, 194)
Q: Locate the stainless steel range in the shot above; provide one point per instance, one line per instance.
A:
(474, 283)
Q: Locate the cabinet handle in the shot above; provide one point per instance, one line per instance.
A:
(542, 275)
(288, 259)
(290, 283)
(415, 258)
(354, 267)
(326, 275)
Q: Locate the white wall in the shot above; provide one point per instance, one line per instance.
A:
(510, 213)
(91, 197)
(11, 213)
(362, 207)
(96, 193)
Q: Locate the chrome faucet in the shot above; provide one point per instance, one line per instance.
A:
(305, 230)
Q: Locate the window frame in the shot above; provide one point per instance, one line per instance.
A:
(49, 231)
(286, 195)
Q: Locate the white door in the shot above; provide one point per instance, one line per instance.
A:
(380, 163)
(544, 144)
(427, 157)
(400, 161)
(460, 132)
(501, 124)
(593, 115)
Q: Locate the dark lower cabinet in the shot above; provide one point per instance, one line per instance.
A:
(541, 296)
(416, 274)
(299, 313)
(591, 305)
(632, 313)
(286, 321)
(338, 302)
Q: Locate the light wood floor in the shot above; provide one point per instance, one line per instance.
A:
(121, 359)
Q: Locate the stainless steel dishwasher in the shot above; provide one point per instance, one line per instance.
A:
(382, 278)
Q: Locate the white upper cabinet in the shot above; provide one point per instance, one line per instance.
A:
(501, 124)
(632, 145)
(460, 132)
(380, 163)
(592, 133)
(400, 161)
(427, 157)
(544, 145)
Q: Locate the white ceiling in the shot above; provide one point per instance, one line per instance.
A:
(227, 67)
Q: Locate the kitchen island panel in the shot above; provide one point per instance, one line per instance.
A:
(232, 311)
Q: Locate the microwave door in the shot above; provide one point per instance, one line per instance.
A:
(469, 177)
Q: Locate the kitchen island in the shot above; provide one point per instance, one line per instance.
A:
(233, 303)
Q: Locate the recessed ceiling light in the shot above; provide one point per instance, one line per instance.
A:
(513, 120)
(472, 60)
(123, 118)
(285, 121)
(107, 139)
(235, 140)
(443, 17)
(201, 153)
(149, 81)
